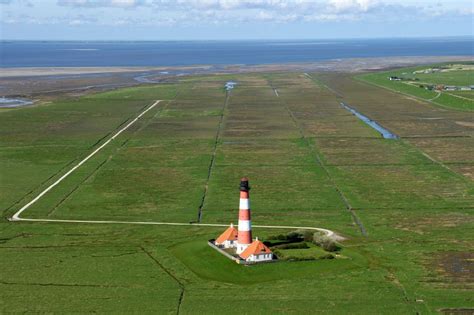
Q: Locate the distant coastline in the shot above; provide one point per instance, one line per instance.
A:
(33, 82)
(343, 65)
(187, 53)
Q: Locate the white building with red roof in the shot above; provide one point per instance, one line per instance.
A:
(240, 239)
(228, 239)
(257, 252)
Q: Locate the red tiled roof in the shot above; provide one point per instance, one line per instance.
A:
(257, 247)
(229, 235)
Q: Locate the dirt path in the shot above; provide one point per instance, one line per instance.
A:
(331, 234)
(461, 97)
(16, 216)
(437, 96)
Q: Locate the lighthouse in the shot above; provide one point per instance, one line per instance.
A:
(239, 242)
(244, 237)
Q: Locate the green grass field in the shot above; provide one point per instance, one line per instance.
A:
(460, 100)
(308, 161)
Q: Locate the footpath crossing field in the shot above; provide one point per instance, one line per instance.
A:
(405, 206)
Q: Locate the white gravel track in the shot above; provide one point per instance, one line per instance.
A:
(16, 217)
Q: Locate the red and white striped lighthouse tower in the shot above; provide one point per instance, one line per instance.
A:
(244, 238)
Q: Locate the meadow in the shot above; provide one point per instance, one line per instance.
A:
(404, 206)
(414, 80)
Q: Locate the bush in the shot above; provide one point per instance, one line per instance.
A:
(279, 237)
(281, 256)
(306, 235)
(292, 246)
(327, 256)
(294, 258)
(294, 236)
(299, 236)
(325, 242)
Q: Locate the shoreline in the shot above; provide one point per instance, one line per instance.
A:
(47, 83)
(13, 72)
(350, 64)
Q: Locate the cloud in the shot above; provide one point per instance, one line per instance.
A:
(352, 5)
(191, 13)
(16, 2)
(102, 3)
(265, 9)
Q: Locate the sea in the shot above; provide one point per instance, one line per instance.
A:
(185, 53)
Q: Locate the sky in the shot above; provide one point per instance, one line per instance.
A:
(233, 19)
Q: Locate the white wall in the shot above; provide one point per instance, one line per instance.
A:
(260, 257)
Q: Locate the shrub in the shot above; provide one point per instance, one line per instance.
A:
(306, 235)
(292, 246)
(327, 256)
(294, 258)
(279, 237)
(325, 242)
(294, 236)
(276, 253)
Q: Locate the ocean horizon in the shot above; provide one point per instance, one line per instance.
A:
(27, 53)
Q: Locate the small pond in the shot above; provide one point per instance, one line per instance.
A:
(230, 85)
